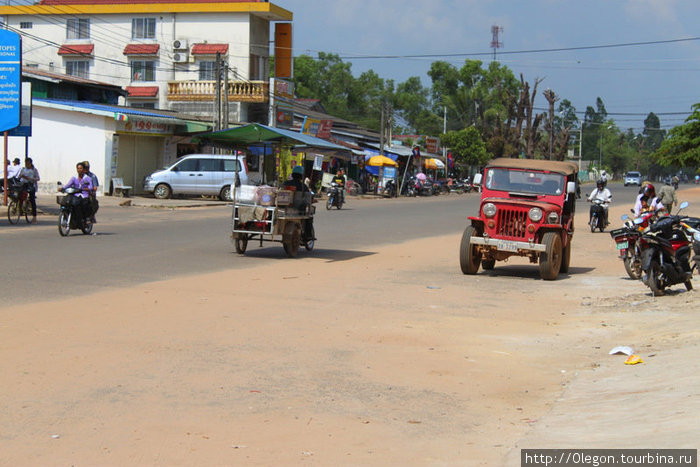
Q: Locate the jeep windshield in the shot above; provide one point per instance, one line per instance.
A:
(524, 181)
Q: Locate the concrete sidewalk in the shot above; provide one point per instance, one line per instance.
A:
(46, 204)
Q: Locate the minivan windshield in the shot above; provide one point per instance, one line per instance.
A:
(524, 181)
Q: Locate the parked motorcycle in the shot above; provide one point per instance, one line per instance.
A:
(70, 216)
(665, 247)
(390, 189)
(335, 197)
(597, 215)
(627, 242)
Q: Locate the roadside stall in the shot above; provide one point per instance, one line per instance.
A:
(384, 168)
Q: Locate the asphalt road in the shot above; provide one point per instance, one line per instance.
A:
(132, 245)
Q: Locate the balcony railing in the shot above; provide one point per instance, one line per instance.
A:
(238, 91)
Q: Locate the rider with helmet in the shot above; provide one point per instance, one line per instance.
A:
(602, 194)
(647, 200)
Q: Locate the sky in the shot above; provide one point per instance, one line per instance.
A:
(661, 76)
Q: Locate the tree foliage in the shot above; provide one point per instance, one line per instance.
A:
(682, 147)
(467, 147)
(491, 103)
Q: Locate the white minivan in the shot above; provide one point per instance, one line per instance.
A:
(198, 174)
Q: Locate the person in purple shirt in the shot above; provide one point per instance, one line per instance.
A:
(83, 182)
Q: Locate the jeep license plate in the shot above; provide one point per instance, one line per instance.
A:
(504, 245)
(622, 245)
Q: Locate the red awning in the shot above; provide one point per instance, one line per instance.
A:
(76, 49)
(209, 49)
(142, 91)
(141, 49)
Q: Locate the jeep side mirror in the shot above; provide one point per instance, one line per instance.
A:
(571, 187)
(477, 179)
(175, 169)
(683, 205)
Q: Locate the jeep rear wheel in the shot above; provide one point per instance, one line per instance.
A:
(550, 259)
(469, 255)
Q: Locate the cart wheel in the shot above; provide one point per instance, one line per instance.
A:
(241, 243)
(291, 239)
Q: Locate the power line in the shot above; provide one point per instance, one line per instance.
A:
(528, 51)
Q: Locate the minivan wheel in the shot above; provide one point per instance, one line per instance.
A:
(225, 193)
(162, 191)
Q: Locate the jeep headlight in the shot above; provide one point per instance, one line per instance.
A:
(489, 210)
(553, 218)
(535, 214)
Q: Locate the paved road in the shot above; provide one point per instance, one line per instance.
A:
(138, 244)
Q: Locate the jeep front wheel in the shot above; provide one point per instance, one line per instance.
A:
(469, 255)
(550, 259)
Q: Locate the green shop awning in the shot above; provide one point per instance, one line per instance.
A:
(258, 134)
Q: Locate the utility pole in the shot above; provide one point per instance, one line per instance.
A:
(225, 95)
(217, 98)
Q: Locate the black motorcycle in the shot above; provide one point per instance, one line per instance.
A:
(335, 196)
(390, 189)
(597, 215)
(666, 248)
(74, 213)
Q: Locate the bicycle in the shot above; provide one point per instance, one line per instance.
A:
(19, 205)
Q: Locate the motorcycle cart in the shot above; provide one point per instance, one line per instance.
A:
(268, 214)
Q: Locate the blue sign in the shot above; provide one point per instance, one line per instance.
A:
(10, 79)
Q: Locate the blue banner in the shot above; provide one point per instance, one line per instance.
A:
(10, 79)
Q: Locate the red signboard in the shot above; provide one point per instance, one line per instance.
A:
(324, 129)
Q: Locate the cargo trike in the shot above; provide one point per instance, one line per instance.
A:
(268, 214)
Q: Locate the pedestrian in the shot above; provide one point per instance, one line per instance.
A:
(667, 196)
(14, 169)
(94, 205)
(28, 177)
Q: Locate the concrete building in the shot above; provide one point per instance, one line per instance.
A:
(163, 52)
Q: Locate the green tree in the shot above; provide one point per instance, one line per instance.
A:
(467, 147)
(682, 147)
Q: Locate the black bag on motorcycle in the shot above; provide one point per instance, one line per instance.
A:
(69, 200)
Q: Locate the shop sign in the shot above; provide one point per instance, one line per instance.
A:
(10, 79)
(324, 129)
(310, 126)
(139, 125)
(284, 88)
(285, 118)
(432, 144)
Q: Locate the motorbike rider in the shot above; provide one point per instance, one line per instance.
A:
(648, 197)
(604, 178)
(339, 179)
(84, 183)
(295, 183)
(602, 194)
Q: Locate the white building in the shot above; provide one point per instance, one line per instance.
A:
(163, 52)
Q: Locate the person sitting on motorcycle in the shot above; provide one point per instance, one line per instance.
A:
(339, 179)
(602, 194)
(295, 183)
(649, 195)
(84, 183)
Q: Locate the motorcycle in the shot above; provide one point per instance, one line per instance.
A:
(597, 215)
(390, 189)
(335, 197)
(70, 216)
(627, 242)
(665, 246)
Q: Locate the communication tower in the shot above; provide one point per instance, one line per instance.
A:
(495, 43)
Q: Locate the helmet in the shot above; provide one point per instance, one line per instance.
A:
(649, 190)
(600, 183)
(298, 170)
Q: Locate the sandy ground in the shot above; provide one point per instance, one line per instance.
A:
(389, 359)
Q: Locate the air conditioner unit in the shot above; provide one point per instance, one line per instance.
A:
(180, 57)
(180, 44)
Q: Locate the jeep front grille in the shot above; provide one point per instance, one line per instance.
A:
(511, 223)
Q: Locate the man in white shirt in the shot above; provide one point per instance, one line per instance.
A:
(14, 169)
(604, 195)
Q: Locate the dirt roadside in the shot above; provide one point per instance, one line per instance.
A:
(392, 358)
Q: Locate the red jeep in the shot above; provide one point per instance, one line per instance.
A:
(527, 209)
